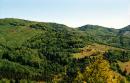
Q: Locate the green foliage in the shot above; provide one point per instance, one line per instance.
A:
(115, 55)
(42, 51)
(109, 36)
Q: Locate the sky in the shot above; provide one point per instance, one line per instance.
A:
(73, 13)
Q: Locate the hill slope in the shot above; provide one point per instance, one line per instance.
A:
(51, 52)
(109, 36)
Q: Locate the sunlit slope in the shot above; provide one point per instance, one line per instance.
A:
(99, 70)
(56, 53)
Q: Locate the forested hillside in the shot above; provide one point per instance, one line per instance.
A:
(53, 53)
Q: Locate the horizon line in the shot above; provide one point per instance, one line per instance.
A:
(62, 23)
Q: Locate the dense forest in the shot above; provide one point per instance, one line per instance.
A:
(32, 52)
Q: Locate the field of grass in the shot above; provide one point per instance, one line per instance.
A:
(91, 50)
(94, 49)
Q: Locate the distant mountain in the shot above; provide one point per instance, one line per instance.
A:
(125, 31)
(49, 52)
(109, 36)
(98, 30)
(127, 28)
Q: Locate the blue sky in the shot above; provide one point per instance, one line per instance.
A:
(74, 13)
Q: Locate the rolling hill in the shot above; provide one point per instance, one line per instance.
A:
(53, 53)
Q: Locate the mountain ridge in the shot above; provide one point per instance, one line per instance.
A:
(58, 23)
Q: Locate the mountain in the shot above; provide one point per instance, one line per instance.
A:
(125, 31)
(109, 36)
(98, 30)
(49, 52)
